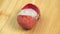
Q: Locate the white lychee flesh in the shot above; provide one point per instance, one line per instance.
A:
(28, 12)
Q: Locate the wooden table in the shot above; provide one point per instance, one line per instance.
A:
(49, 22)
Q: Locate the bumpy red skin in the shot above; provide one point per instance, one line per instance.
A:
(27, 22)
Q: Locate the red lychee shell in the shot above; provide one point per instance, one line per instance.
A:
(27, 22)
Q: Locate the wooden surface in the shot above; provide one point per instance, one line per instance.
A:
(49, 22)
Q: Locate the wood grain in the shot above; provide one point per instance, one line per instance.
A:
(49, 22)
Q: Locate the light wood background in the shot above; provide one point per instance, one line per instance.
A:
(49, 22)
